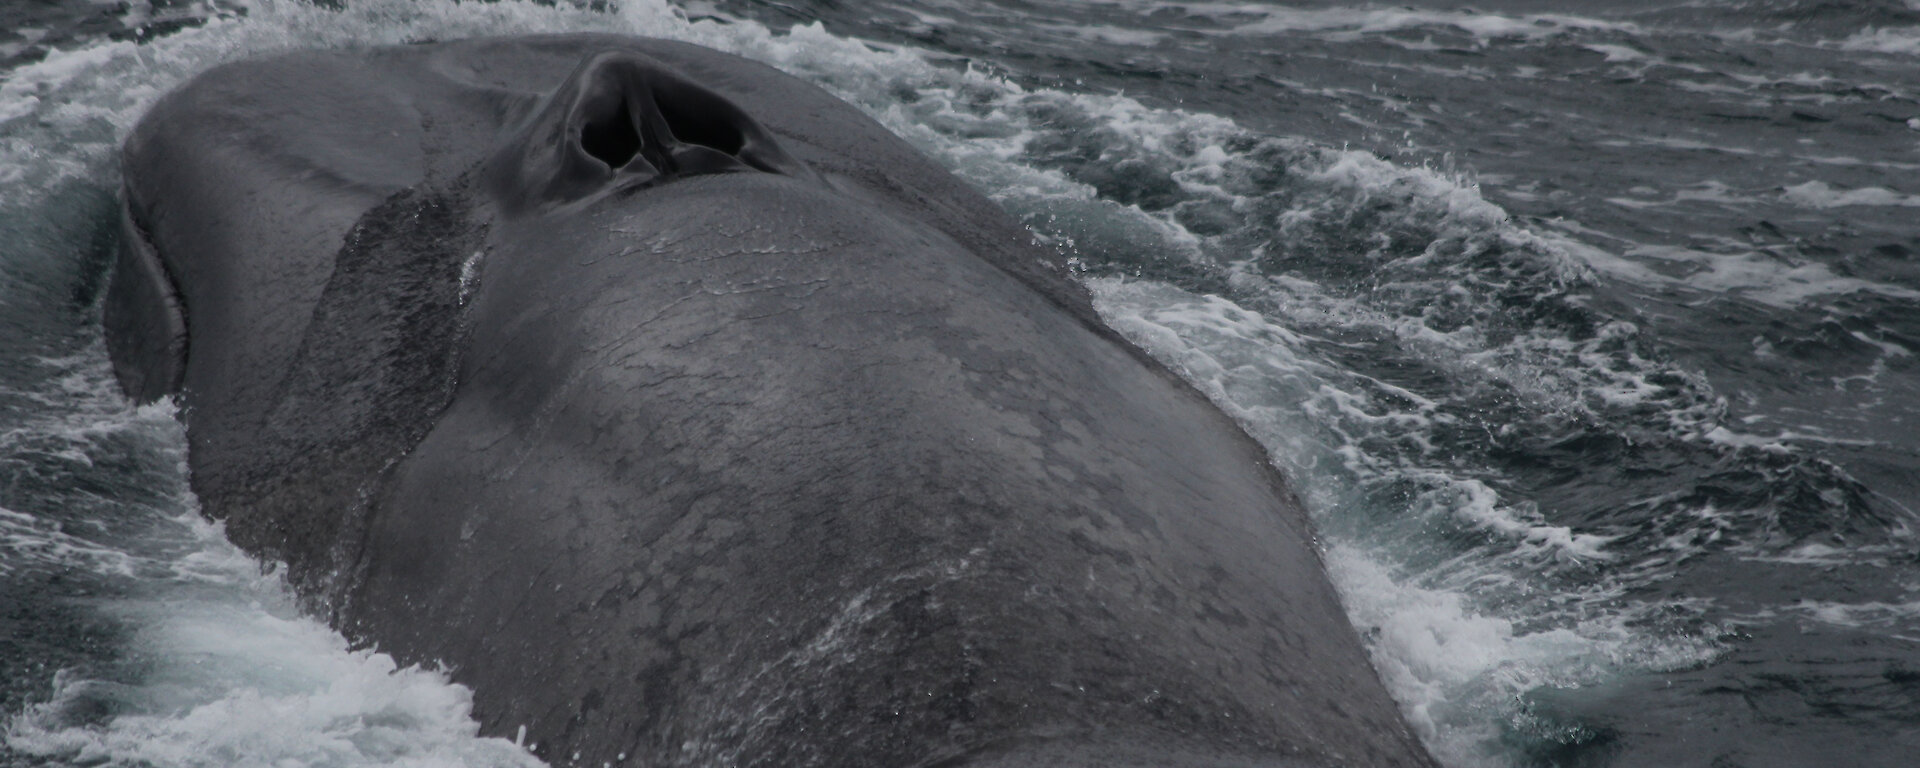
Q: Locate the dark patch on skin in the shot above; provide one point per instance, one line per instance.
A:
(358, 395)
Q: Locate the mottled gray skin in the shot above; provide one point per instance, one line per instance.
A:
(693, 419)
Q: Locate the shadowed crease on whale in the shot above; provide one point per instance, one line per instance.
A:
(693, 419)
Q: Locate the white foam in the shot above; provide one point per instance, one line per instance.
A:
(29, 542)
(79, 409)
(1857, 615)
(229, 673)
(1703, 192)
(1352, 23)
(236, 677)
(1903, 41)
(1473, 501)
(1431, 191)
(1615, 53)
(1820, 195)
(1246, 364)
(1456, 668)
(1672, 142)
(1453, 667)
(1814, 553)
(1105, 34)
(1782, 441)
(1773, 280)
(21, 91)
(1768, 279)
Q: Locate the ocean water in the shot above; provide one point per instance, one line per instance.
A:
(1588, 331)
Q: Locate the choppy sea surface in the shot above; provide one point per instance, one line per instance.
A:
(1588, 330)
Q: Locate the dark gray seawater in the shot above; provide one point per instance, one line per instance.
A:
(1588, 330)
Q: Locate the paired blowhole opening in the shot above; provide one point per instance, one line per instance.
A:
(616, 134)
(621, 123)
(611, 137)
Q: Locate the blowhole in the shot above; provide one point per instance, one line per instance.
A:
(611, 137)
(696, 118)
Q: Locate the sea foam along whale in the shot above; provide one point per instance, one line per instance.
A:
(692, 418)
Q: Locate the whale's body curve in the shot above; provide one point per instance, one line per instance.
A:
(691, 418)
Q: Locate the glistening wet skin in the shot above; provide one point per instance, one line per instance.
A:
(751, 399)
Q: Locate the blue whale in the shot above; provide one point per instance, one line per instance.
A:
(691, 418)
